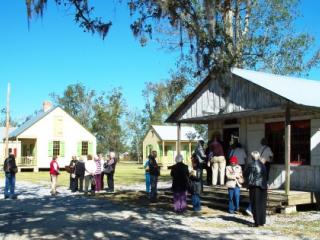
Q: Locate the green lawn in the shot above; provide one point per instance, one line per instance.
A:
(126, 174)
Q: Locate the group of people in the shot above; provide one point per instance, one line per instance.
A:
(251, 172)
(86, 169)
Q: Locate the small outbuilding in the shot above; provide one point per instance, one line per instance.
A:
(252, 105)
(163, 139)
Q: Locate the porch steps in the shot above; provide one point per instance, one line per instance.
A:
(217, 197)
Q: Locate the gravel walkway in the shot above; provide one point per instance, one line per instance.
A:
(37, 215)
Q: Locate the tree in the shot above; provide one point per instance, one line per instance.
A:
(109, 109)
(221, 34)
(163, 97)
(99, 113)
(78, 102)
(218, 34)
(136, 130)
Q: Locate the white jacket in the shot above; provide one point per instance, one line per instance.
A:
(234, 176)
(90, 167)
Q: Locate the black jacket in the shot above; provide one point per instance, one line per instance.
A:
(9, 165)
(80, 168)
(180, 177)
(195, 183)
(256, 175)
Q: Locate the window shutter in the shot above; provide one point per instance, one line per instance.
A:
(79, 149)
(61, 149)
(90, 148)
(50, 149)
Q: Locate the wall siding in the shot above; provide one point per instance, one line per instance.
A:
(243, 96)
(304, 178)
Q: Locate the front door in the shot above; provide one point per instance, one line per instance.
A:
(229, 134)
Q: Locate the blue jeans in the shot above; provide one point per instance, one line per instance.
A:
(234, 199)
(148, 182)
(196, 203)
(9, 185)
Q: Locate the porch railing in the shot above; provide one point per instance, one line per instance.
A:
(26, 161)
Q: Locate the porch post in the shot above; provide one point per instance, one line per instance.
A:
(17, 145)
(162, 151)
(287, 149)
(190, 153)
(179, 138)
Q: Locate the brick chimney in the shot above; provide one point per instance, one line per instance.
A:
(47, 106)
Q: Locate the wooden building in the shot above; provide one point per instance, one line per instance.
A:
(51, 132)
(163, 139)
(251, 105)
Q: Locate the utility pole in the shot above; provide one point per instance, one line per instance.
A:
(7, 122)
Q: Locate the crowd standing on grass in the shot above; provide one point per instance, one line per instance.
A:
(240, 171)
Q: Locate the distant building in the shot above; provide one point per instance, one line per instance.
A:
(52, 132)
(163, 139)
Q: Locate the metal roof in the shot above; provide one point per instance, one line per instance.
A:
(24, 126)
(169, 133)
(298, 90)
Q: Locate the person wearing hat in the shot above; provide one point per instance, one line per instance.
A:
(234, 181)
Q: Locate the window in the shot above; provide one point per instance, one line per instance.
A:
(300, 141)
(84, 148)
(56, 148)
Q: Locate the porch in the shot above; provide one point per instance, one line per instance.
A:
(277, 201)
(28, 157)
(168, 152)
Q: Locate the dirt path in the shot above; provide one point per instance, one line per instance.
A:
(36, 215)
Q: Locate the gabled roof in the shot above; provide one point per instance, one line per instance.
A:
(3, 132)
(169, 133)
(24, 126)
(298, 90)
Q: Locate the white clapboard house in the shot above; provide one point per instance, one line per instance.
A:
(51, 132)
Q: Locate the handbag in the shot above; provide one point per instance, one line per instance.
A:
(108, 169)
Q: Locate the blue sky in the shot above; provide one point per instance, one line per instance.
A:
(55, 52)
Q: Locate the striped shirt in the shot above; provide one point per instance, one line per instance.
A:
(98, 164)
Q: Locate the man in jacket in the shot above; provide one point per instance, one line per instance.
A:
(201, 159)
(10, 169)
(79, 171)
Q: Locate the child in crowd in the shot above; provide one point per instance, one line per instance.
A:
(195, 189)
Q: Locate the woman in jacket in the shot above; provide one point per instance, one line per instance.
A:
(154, 172)
(234, 181)
(180, 180)
(111, 165)
(256, 177)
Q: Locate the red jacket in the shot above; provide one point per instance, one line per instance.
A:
(52, 170)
